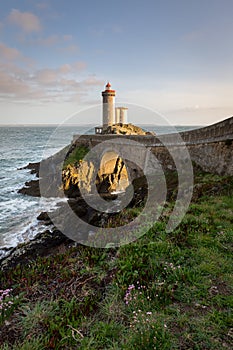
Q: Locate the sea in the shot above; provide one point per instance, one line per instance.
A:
(20, 145)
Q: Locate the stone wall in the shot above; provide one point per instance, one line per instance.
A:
(210, 147)
(216, 132)
(221, 131)
(214, 157)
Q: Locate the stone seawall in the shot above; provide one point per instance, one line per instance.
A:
(216, 132)
(214, 157)
(210, 147)
(221, 131)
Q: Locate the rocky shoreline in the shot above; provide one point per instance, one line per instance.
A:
(52, 237)
(43, 241)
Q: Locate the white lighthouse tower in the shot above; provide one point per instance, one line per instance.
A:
(121, 115)
(108, 106)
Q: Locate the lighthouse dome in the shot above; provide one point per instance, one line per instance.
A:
(108, 86)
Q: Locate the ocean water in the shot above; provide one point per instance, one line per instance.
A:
(18, 147)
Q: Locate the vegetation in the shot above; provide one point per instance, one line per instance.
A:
(75, 155)
(163, 291)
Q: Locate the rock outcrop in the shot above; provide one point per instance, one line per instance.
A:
(111, 176)
(31, 188)
(126, 129)
(78, 176)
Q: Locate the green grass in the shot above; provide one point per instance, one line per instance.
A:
(163, 291)
(75, 156)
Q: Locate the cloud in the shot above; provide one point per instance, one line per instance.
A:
(11, 55)
(8, 53)
(42, 5)
(101, 31)
(67, 37)
(70, 49)
(60, 75)
(52, 40)
(65, 68)
(74, 67)
(79, 65)
(15, 86)
(46, 76)
(61, 84)
(26, 21)
(49, 41)
(93, 81)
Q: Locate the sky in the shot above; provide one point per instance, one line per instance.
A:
(174, 57)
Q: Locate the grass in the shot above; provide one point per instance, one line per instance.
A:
(77, 154)
(163, 291)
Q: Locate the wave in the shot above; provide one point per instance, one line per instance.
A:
(29, 228)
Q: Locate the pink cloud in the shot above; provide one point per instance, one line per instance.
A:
(8, 53)
(12, 86)
(55, 39)
(79, 65)
(49, 41)
(93, 81)
(65, 68)
(70, 49)
(26, 21)
(46, 76)
(44, 85)
(69, 84)
(11, 55)
(42, 5)
(67, 37)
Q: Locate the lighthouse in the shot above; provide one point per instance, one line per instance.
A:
(121, 115)
(108, 106)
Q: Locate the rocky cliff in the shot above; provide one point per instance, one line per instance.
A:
(126, 129)
(79, 175)
(112, 176)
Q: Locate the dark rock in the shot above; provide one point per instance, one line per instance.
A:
(43, 216)
(79, 206)
(32, 188)
(109, 196)
(34, 167)
(140, 188)
(41, 245)
(72, 192)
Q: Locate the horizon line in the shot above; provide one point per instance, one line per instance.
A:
(93, 125)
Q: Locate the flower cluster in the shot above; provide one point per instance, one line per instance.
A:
(5, 300)
(169, 274)
(129, 295)
(144, 320)
(141, 317)
(170, 266)
(132, 292)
